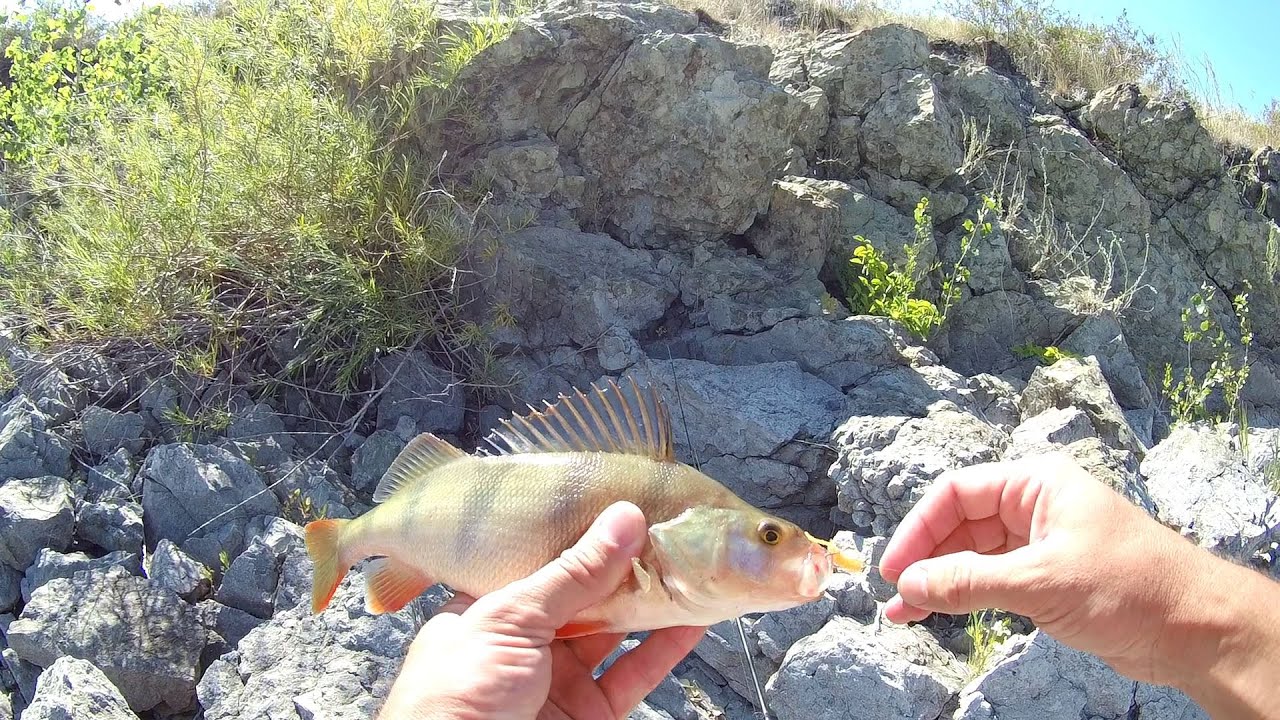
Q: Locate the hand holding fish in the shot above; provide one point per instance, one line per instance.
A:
(497, 657)
(1040, 537)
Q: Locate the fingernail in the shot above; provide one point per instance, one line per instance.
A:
(619, 522)
(913, 586)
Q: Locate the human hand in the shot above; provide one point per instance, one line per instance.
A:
(497, 657)
(1040, 537)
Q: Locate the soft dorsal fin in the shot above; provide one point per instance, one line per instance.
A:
(422, 455)
(609, 419)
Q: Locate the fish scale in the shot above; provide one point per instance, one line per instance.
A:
(479, 522)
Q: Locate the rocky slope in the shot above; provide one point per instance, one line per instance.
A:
(680, 207)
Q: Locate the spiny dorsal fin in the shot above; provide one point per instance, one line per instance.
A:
(422, 455)
(605, 419)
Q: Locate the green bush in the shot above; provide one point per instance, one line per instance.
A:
(873, 287)
(1046, 355)
(1228, 371)
(224, 185)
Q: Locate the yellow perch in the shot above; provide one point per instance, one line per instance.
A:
(478, 522)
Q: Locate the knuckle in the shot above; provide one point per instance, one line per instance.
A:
(956, 592)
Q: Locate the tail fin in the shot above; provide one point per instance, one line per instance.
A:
(324, 545)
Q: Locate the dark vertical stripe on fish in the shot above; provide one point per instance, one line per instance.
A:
(477, 506)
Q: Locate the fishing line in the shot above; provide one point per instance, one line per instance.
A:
(697, 464)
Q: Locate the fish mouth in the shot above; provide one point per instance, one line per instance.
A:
(815, 572)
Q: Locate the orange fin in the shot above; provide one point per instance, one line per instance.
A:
(391, 585)
(579, 629)
(324, 545)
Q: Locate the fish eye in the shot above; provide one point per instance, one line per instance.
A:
(770, 532)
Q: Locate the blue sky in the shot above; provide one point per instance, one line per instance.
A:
(1237, 36)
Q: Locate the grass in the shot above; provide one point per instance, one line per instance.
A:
(257, 183)
(1063, 53)
(985, 636)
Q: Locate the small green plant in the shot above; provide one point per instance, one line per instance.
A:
(1046, 355)
(1228, 371)
(8, 380)
(207, 420)
(873, 287)
(224, 560)
(984, 636)
(299, 509)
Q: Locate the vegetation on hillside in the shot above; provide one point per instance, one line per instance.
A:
(235, 187)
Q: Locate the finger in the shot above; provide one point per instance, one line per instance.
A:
(898, 611)
(634, 675)
(966, 581)
(593, 649)
(586, 573)
(976, 492)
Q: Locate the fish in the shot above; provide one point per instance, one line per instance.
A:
(477, 522)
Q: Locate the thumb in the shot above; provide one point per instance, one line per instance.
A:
(589, 571)
(966, 581)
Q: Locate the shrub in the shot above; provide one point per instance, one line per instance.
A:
(1228, 371)
(243, 194)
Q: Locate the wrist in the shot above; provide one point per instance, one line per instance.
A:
(1221, 644)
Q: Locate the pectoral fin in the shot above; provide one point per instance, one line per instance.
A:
(643, 578)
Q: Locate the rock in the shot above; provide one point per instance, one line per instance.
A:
(10, 588)
(231, 624)
(315, 481)
(733, 293)
(752, 427)
(51, 565)
(250, 583)
(595, 79)
(852, 595)
(1039, 677)
(847, 671)
(1200, 485)
(111, 525)
(27, 448)
(113, 479)
(416, 388)
(185, 487)
(562, 287)
(48, 387)
(842, 352)
(1101, 337)
(617, 350)
(800, 225)
(72, 689)
(721, 649)
(180, 573)
(909, 133)
(142, 637)
(34, 514)
(1072, 382)
(884, 464)
(20, 675)
(105, 431)
(776, 632)
(857, 70)
(371, 460)
(667, 700)
(338, 664)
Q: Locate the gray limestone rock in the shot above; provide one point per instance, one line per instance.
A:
(112, 479)
(1039, 677)
(231, 624)
(415, 387)
(51, 565)
(370, 461)
(1200, 484)
(111, 525)
(338, 664)
(885, 463)
(144, 638)
(1079, 383)
(106, 431)
(178, 572)
(187, 487)
(48, 387)
(10, 588)
(72, 689)
(857, 70)
(800, 226)
(1102, 337)
(776, 632)
(848, 670)
(34, 514)
(909, 133)
(28, 448)
(250, 583)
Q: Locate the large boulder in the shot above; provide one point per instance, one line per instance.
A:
(34, 514)
(186, 488)
(105, 430)
(144, 638)
(412, 386)
(73, 689)
(28, 448)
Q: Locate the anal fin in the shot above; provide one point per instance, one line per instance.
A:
(579, 629)
(391, 584)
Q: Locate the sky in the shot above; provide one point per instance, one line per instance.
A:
(1237, 36)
